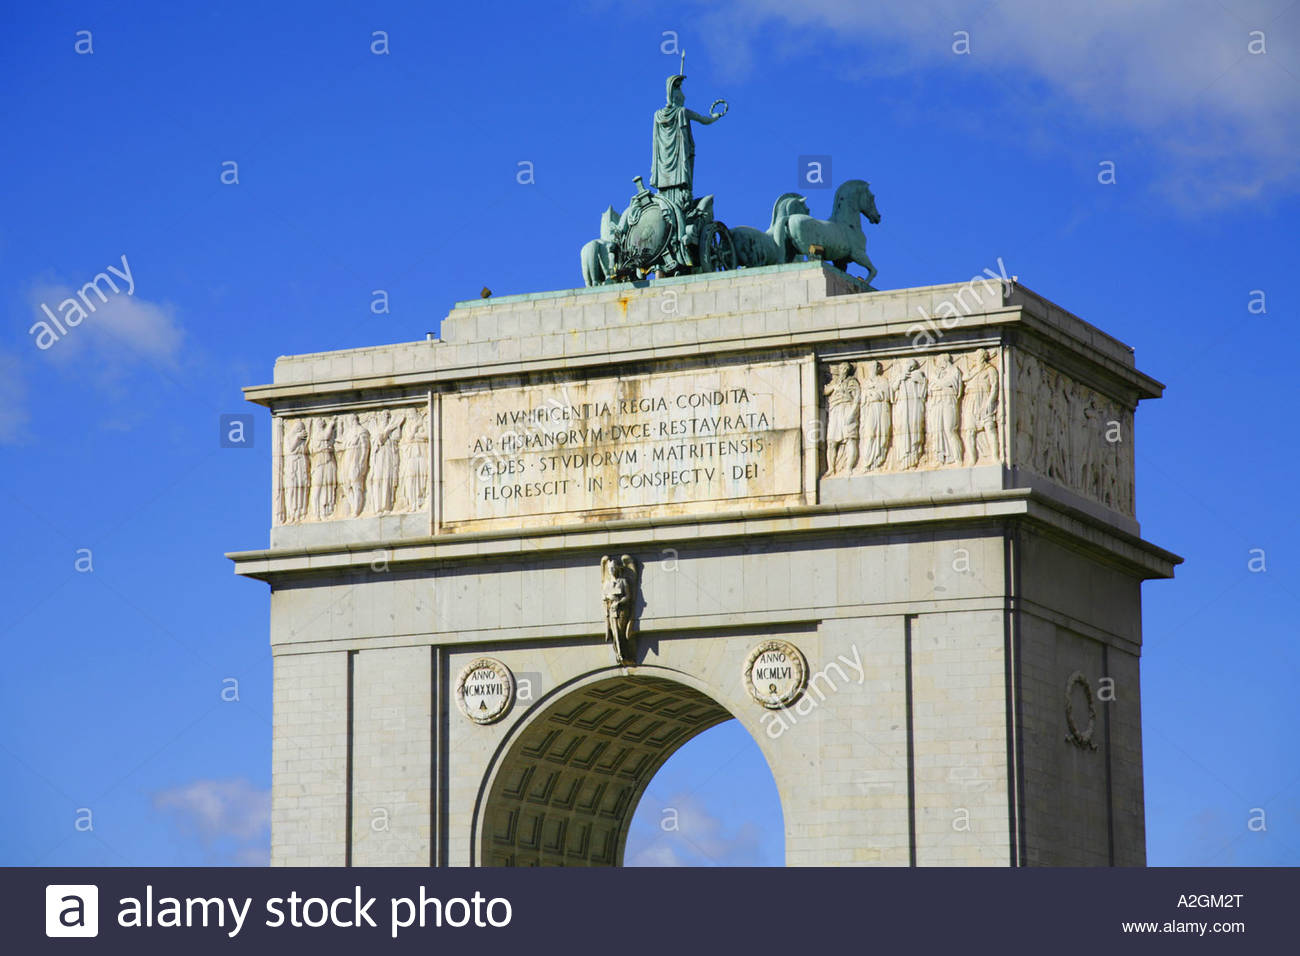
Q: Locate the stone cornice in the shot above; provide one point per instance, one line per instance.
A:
(812, 306)
(1075, 527)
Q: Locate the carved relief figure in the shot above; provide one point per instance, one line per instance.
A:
(324, 469)
(909, 419)
(1070, 451)
(873, 431)
(909, 396)
(1026, 418)
(1089, 427)
(1115, 458)
(946, 389)
(384, 461)
(1065, 397)
(356, 464)
(1114, 464)
(1047, 422)
(842, 406)
(618, 581)
(295, 471)
(415, 463)
(1064, 431)
(343, 466)
(980, 409)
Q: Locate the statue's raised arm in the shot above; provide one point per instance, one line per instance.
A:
(704, 120)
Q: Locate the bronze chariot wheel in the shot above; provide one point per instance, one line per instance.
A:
(717, 251)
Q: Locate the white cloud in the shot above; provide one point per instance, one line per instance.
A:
(657, 854)
(259, 855)
(1227, 122)
(220, 810)
(697, 836)
(105, 337)
(119, 334)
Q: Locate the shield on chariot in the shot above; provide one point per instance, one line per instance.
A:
(649, 227)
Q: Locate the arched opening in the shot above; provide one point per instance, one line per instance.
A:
(567, 784)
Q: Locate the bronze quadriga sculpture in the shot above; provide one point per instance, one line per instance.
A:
(668, 231)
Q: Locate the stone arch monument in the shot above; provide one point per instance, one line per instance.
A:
(892, 533)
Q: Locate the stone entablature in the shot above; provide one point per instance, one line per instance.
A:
(701, 395)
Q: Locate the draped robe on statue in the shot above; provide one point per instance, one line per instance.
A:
(673, 165)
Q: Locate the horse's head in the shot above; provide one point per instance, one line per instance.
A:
(788, 204)
(867, 203)
(858, 192)
(608, 224)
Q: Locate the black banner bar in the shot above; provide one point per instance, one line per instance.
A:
(626, 911)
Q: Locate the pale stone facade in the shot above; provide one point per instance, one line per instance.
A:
(937, 522)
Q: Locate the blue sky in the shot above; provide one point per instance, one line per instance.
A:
(359, 172)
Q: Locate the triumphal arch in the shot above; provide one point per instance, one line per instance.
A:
(893, 533)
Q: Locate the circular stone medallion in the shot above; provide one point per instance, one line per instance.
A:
(775, 674)
(485, 690)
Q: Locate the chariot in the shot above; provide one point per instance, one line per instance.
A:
(668, 233)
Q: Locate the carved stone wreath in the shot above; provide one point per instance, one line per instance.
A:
(798, 680)
(482, 714)
(1080, 738)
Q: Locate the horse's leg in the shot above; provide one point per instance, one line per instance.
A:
(863, 260)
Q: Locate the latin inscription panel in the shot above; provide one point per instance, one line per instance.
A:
(670, 443)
